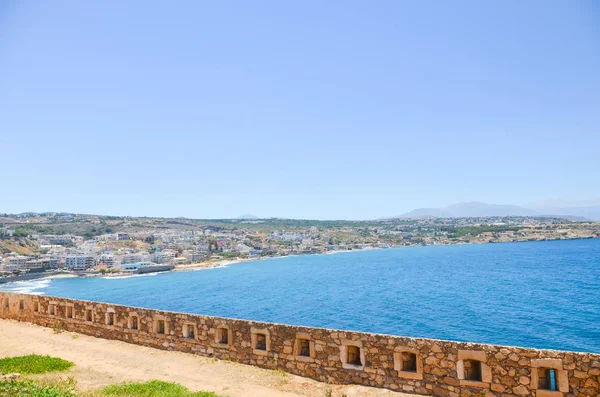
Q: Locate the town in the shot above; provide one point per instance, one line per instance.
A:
(33, 245)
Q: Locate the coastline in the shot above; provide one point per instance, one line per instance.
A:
(221, 263)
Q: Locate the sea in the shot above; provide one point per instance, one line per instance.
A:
(533, 294)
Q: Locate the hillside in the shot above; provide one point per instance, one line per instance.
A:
(22, 246)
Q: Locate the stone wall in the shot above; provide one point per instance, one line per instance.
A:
(414, 365)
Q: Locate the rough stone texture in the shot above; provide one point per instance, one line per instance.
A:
(506, 371)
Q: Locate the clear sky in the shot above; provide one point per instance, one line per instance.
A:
(304, 109)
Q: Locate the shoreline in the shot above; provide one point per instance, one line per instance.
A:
(222, 263)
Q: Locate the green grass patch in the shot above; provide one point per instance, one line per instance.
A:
(154, 388)
(28, 388)
(33, 364)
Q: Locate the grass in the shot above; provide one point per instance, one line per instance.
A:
(28, 388)
(154, 388)
(67, 388)
(33, 364)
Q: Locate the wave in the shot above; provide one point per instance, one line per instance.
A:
(28, 287)
(221, 266)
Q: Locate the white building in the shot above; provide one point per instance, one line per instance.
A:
(162, 256)
(134, 258)
(131, 267)
(14, 262)
(79, 262)
(194, 256)
(107, 259)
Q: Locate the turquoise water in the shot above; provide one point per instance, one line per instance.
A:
(533, 294)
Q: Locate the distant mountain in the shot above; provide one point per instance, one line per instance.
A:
(584, 212)
(579, 211)
(247, 217)
(470, 209)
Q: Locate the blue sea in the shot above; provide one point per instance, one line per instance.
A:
(531, 294)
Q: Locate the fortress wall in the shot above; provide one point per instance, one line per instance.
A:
(413, 365)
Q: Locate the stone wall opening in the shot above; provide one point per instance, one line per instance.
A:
(88, 315)
(261, 342)
(21, 305)
(110, 316)
(472, 370)
(52, 309)
(36, 307)
(223, 336)
(6, 304)
(303, 347)
(409, 361)
(133, 322)
(353, 355)
(547, 379)
(189, 331)
(160, 326)
(69, 311)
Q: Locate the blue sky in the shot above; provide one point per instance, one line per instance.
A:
(345, 110)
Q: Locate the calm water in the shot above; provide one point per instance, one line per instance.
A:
(534, 294)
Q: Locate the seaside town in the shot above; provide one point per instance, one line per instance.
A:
(35, 245)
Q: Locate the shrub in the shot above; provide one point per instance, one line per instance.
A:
(33, 364)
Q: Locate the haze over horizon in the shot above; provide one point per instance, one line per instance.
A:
(311, 111)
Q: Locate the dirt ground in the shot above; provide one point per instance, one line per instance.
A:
(99, 362)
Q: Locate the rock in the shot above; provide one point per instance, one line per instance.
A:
(432, 360)
(594, 371)
(524, 380)
(579, 374)
(520, 390)
(451, 381)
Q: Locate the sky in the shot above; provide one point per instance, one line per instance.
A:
(300, 109)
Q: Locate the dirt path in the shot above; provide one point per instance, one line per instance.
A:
(99, 362)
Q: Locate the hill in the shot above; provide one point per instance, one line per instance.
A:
(469, 210)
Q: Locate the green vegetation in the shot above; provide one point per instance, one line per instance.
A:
(29, 388)
(33, 364)
(461, 231)
(154, 388)
(67, 388)
(231, 255)
(24, 230)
